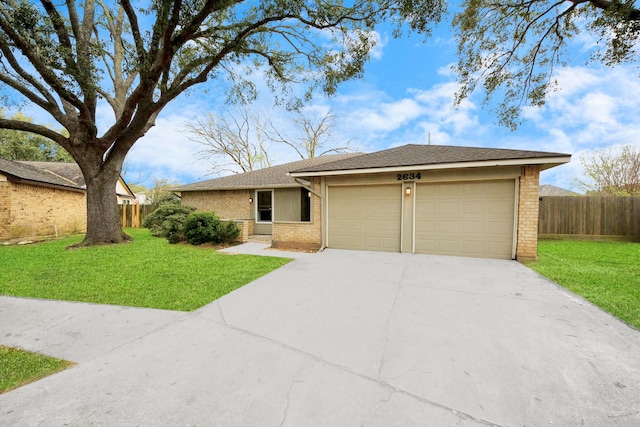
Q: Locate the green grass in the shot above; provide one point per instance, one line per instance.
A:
(147, 272)
(18, 367)
(605, 273)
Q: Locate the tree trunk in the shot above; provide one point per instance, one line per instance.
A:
(103, 218)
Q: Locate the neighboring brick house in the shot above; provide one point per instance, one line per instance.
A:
(71, 171)
(44, 199)
(463, 201)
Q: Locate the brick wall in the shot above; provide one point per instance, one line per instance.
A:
(528, 204)
(5, 210)
(227, 204)
(42, 212)
(295, 235)
(246, 229)
(301, 235)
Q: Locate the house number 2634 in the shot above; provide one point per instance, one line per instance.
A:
(408, 176)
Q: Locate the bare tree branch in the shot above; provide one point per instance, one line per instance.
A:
(233, 139)
(312, 138)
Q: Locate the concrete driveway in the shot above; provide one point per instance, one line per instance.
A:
(339, 338)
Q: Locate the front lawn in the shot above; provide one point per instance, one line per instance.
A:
(605, 273)
(18, 367)
(147, 272)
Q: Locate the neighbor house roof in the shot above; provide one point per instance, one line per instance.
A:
(552, 190)
(271, 177)
(433, 157)
(72, 172)
(22, 172)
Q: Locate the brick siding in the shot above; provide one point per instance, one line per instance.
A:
(528, 205)
(5, 210)
(35, 212)
(227, 204)
(246, 229)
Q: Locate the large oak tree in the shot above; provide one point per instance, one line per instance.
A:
(511, 47)
(69, 57)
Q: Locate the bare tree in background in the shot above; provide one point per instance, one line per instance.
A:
(612, 173)
(312, 138)
(161, 192)
(231, 141)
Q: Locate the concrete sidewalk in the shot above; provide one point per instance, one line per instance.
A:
(339, 338)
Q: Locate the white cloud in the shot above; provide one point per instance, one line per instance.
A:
(388, 116)
(380, 42)
(166, 152)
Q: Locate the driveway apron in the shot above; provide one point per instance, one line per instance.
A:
(338, 338)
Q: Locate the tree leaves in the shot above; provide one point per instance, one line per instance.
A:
(512, 47)
(612, 173)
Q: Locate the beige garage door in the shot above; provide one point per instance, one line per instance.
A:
(364, 217)
(465, 219)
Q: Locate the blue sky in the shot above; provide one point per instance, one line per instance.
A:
(405, 96)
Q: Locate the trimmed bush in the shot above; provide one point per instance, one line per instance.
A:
(168, 221)
(205, 227)
(201, 227)
(229, 231)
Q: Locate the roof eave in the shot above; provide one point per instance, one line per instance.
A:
(17, 180)
(546, 162)
(237, 188)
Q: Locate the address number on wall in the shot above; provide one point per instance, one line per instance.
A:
(408, 176)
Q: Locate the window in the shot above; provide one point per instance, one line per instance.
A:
(305, 205)
(264, 206)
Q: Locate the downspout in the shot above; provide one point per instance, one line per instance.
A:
(307, 185)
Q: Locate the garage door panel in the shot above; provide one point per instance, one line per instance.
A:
(474, 247)
(498, 228)
(447, 227)
(503, 208)
(473, 207)
(447, 207)
(466, 218)
(364, 217)
(474, 227)
(448, 246)
(427, 227)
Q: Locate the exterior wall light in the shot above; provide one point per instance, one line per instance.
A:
(407, 191)
(250, 199)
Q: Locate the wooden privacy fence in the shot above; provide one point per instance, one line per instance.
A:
(590, 217)
(133, 215)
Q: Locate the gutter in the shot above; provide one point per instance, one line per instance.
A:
(551, 161)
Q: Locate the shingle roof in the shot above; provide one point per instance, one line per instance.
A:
(275, 176)
(552, 190)
(413, 155)
(26, 172)
(70, 171)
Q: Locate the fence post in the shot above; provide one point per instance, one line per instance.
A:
(135, 219)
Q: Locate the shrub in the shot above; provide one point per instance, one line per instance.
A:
(205, 227)
(229, 231)
(201, 228)
(168, 221)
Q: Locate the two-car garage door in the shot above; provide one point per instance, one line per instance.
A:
(458, 218)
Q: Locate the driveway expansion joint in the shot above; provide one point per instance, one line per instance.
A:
(384, 384)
